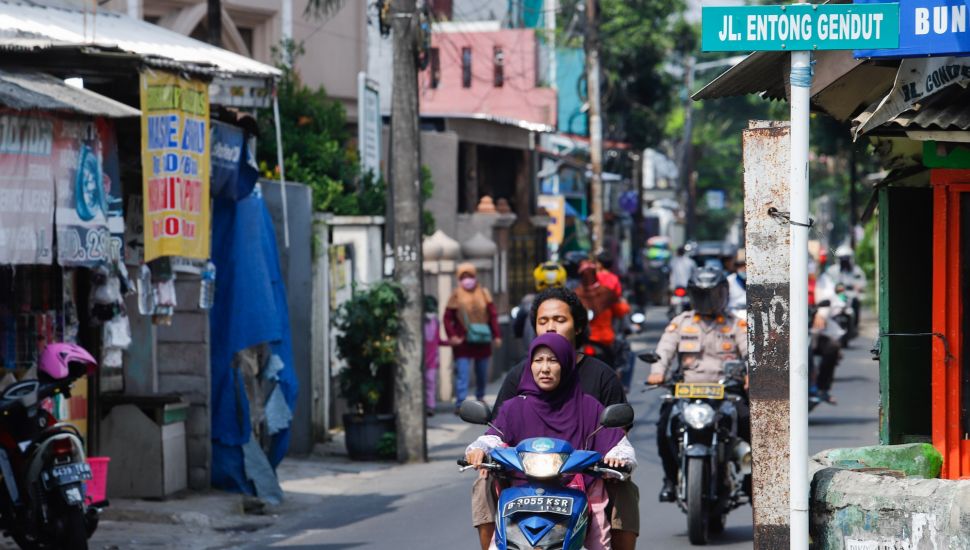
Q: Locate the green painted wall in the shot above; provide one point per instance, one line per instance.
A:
(905, 306)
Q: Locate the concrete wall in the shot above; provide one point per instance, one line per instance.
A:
(183, 368)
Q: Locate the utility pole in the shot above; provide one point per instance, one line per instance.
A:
(213, 22)
(595, 123)
(405, 140)
(853, 203)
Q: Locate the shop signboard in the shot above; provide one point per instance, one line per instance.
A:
(799, 27)
(369, 127)
(89, 216)
(175, 165)
(917, 79)
(928, 27)
(26, 189)
(555, 205)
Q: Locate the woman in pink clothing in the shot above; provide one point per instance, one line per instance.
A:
(432, 341)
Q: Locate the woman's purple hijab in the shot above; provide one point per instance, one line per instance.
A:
(565, 413)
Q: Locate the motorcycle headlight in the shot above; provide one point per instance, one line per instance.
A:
(698, 415)
(542, 465)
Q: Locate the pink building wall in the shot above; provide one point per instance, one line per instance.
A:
(518, 97)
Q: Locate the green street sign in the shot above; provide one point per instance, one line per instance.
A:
(800, 27)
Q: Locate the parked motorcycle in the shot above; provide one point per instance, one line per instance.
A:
(544, 513)
(42, 461)
(715, 463)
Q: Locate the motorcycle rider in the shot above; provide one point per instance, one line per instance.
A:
(545, 275)
(847, 272)
(825, 334)
(606, 305)
(701, 340)
(559, 310)
(682, 267)
(737, 284)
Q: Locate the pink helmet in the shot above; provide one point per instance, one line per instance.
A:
(56, 359)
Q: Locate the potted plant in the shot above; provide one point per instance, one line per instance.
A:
(368, 324)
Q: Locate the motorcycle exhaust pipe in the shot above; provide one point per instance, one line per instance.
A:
(742, 456)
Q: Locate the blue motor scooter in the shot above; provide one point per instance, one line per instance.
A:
(543, 512)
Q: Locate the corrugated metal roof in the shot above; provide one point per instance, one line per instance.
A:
(32, 90)
(760, 73)
(954, 115)
(29, 25)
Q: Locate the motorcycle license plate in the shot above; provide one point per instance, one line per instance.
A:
(539, 504)
(66, 474)
(699, 391)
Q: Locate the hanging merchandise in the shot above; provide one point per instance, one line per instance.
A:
(106, 301)
(163, 281)
(207, 289)
(115, 339)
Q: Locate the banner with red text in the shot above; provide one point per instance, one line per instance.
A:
(175, 165)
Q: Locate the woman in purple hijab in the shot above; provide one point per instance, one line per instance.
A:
(551, 403)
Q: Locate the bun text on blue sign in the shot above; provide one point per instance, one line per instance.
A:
(928, 27)
(800, 27)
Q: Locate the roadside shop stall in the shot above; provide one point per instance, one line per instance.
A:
(170, 380)
(61, 224)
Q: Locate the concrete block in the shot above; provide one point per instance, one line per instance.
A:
(914, 459)
(185, 328)
(192, 387)
(181, 358)
(197, 422)
(853, 510)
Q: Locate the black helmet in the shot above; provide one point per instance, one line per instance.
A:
(708, 291)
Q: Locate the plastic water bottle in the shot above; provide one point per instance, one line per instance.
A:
(207, 291)
(146, 294)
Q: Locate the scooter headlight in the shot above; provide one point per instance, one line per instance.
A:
(698, 415)
(542, 465)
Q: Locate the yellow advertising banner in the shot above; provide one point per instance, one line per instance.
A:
(175, 165)
(555, 205)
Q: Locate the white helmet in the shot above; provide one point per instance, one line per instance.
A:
(844, 251)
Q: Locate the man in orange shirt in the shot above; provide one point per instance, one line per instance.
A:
(604, 272)
(605, 305)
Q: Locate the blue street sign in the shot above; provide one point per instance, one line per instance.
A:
(928, 27)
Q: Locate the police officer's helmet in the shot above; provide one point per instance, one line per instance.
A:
(708, 291)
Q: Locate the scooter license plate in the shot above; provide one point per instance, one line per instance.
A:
(539, 504)
(66, 474)
(699, 391)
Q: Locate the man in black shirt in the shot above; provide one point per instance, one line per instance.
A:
(559, 310)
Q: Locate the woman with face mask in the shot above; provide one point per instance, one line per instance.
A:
(471, 322)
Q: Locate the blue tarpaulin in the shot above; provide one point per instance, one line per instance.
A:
(250, 309)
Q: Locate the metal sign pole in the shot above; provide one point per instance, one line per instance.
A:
(801, 83)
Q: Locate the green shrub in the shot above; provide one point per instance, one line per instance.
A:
(369, 324)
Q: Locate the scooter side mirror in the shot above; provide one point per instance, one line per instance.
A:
(475, 412)
(617, 416)
(824, 303)
(649, 357)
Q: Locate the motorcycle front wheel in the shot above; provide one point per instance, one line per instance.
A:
(698, 508)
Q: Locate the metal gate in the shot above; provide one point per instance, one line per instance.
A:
(527, 248)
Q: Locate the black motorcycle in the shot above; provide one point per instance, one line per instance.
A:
(43, 467)
(715, 462)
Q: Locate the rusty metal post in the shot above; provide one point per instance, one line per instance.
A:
(766, 154)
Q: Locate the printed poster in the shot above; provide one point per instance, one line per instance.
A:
(89, 215)
(26, 189)
(175, 165)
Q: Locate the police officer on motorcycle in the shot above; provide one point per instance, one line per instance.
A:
(700, 341)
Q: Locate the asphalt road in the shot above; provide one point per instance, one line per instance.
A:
(427, 505)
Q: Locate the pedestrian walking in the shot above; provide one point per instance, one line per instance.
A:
(432, 341)
(471, 322)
